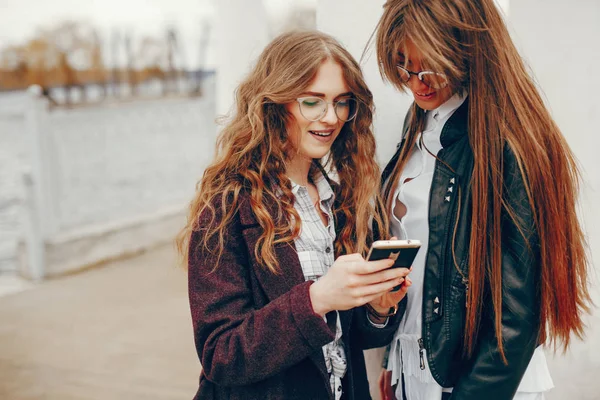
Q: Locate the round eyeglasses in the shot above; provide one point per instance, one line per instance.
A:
(315, 108)
(434, 80)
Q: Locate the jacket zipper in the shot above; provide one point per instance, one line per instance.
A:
(465, 282)
(420, 340)
(464, 278)
(421, 358)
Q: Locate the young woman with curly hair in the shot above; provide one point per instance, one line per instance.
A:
(277, 279)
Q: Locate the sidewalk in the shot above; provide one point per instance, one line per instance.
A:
(121, 331)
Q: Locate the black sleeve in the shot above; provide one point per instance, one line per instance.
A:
(370, 336)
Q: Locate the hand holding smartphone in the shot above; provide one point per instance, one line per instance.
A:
(403, 252)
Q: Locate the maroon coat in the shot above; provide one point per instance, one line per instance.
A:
(256, 334)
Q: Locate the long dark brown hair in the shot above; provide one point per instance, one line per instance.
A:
(469, 42)
(253, 149)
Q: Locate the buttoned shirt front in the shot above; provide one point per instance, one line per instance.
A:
(316, 254)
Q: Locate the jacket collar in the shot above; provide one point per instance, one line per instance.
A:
(444, 110)
(290, 270)
(456, 127)
(323, 185)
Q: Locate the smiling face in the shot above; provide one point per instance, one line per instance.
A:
(313, 139)
(426, 97)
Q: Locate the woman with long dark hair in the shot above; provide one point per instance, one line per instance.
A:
(485, 179)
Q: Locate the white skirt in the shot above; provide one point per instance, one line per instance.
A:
(419, 384)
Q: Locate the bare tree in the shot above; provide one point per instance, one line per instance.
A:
(173, 50)
(70, 55)
(131, 76)
(204, 42)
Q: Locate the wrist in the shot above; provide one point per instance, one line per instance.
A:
(377, 308)
(316, 300)
(386, 312)
(376, 320)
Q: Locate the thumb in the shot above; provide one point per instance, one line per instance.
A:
(395, 297)
(405, 285)
(404, 288)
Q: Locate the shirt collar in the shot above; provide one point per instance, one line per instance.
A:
(442, 112)
(323, 187)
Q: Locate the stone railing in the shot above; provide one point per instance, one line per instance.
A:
(103, 182)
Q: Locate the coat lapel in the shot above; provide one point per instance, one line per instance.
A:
(290, 271)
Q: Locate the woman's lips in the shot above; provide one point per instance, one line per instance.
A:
(322, 135)
(424, 96)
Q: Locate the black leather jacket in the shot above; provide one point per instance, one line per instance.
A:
(484, 376)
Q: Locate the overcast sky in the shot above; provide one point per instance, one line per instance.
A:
(19, 19)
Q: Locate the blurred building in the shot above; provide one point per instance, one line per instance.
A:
(101, 158)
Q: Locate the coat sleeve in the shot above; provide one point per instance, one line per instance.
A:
(370, 336)
(488, 377)
(237, 342)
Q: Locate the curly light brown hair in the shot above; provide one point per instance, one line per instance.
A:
(254, 148)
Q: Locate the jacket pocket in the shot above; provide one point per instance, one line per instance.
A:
(455, 311)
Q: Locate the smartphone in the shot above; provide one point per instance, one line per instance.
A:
(403, 252)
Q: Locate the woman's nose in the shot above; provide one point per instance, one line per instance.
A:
(330, 116)
(416, 85)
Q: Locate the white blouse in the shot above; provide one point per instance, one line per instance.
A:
(413, 192)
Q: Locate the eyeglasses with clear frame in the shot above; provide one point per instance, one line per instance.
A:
(434, 80)
(315, 108)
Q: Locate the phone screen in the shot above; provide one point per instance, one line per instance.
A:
(403, 256)
(403, 253)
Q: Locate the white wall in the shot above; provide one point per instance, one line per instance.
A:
(241, 34)
(352, 22)
(242, 30)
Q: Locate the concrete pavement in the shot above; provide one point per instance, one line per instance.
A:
(121, 331)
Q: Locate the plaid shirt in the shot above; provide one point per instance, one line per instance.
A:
(316, 254)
